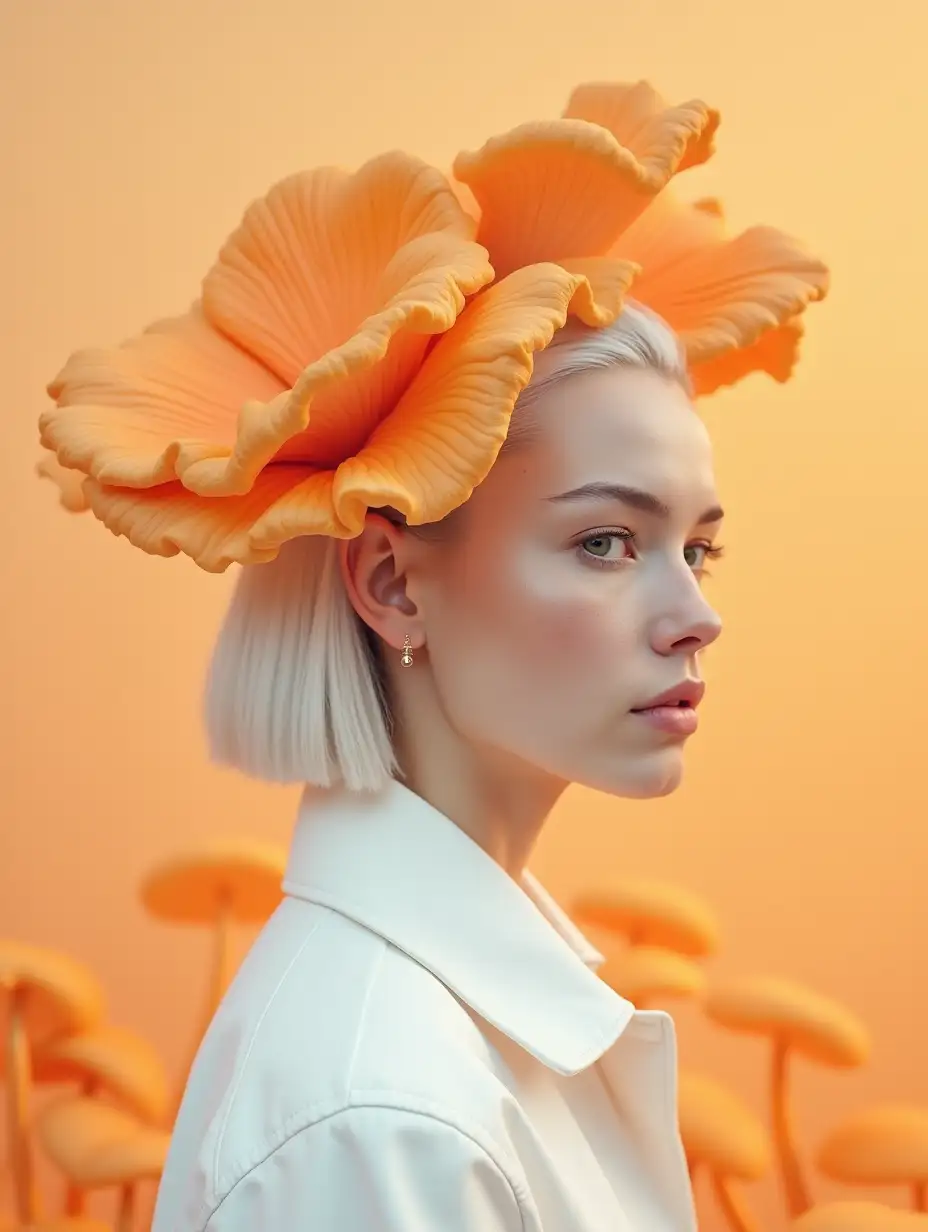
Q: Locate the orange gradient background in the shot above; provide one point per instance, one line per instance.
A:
(133, 136)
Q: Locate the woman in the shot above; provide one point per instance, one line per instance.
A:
(474, 517)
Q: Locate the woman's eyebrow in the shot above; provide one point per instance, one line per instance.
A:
(638, 499)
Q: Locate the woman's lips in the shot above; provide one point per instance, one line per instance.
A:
(676, 720)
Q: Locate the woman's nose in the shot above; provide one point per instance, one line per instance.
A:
(689, 630)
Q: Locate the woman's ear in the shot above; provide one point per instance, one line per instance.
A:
(374, 567)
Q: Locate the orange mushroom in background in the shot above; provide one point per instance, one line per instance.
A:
(645, 974)
(48, 995)
(721, 1136)
(797, 1021)
(110, 1060)
(886, 1145)
(225, 882)
(96, 1146)
(77, 1223)
(859, 1217)
(107, 1061)
(652, 913)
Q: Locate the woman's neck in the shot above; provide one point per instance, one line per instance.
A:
(498, 800)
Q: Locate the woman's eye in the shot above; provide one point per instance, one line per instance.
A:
(611, 548)
(704, 553)
(601, 546)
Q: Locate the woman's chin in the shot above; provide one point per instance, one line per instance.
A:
(639, 777)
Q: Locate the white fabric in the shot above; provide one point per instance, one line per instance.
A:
(417, 1043)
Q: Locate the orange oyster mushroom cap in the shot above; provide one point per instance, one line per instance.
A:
(363, 337)
(97, 1146)
(223, 882)
(55, 994)
(641, 973)
(653, 913)
(719, 1130)
(795, 1019)
(570, 187)
(238, 878)
(108, 1059)
(46, 995)
(883, 1145)
(859, 1217)
(64, 1223)
(111, 1061)
(723, 1136)
(220, 883)
(794, 1016)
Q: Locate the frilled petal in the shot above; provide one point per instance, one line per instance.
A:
(323, 254)
(338, 400)
(136, 415)
(183, 401)
(776, 352)
(444, 435)
(337, 281)
(723, 294)
(425, 459)
(753, 283)
(217, 532)
(349, 351)
(569, 187)
(639, 119)
(466, 199)
(70, 483)
(600, 296)
(670, 231)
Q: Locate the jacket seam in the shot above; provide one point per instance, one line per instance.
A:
(519, 1192)
(239, 1077)
(362, 1016)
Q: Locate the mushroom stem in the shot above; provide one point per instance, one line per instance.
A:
(920, 1196)
(74, 1201)
(219, 982)
(784, 1136)
(19, 1073)
(222, 954)
(733, 1206)
(126, 1213)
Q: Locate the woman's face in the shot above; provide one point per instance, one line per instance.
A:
(559, 605)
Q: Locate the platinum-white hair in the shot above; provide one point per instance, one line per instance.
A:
(296, 689)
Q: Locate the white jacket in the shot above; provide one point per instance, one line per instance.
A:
(417, 1043)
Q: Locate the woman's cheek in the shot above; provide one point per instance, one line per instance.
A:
(574, 638)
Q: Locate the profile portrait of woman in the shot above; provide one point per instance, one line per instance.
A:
(445, 427)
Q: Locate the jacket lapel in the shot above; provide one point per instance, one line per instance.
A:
(640, 1073)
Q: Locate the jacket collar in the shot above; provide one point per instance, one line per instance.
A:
(394, 864)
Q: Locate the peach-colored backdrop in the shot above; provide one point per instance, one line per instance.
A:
(134, 133)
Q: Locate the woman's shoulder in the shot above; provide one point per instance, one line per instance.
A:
(324, 1016)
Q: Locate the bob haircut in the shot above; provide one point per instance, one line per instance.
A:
(296, 691)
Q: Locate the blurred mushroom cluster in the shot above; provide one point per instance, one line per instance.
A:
(107, 1123)
(655, 935)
